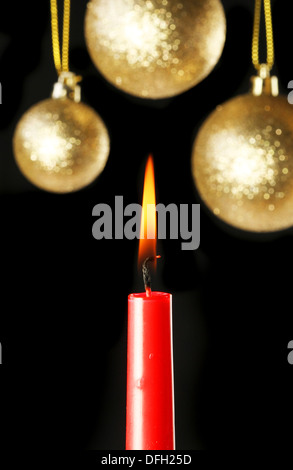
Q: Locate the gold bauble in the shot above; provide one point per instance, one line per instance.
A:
(242, 162)
(60, 145)
(155, 48)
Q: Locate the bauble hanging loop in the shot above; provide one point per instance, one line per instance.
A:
(155, 48)
(263, 83)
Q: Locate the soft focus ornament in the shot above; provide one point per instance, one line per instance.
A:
(242, 158)
(60, 144)
(155, 48)
(242, 162)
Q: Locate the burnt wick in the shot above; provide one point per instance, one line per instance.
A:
(147, 274)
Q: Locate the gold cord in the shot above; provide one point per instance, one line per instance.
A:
(60, 65)
(269, 34)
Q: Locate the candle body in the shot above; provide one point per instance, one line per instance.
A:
(150, 397)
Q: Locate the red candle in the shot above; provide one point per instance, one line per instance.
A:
(150, 409)
(150, 398)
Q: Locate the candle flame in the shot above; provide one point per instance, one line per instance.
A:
(148, 225)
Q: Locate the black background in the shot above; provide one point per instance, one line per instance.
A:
(64, 294)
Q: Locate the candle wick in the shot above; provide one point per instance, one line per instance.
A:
(148, 291)
(147, 275)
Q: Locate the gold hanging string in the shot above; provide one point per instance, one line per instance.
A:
(61, 65)
(269, 34)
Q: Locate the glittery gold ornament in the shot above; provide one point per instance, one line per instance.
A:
(242, 162)
(60, 145)
(242, 158)
(155, 48)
